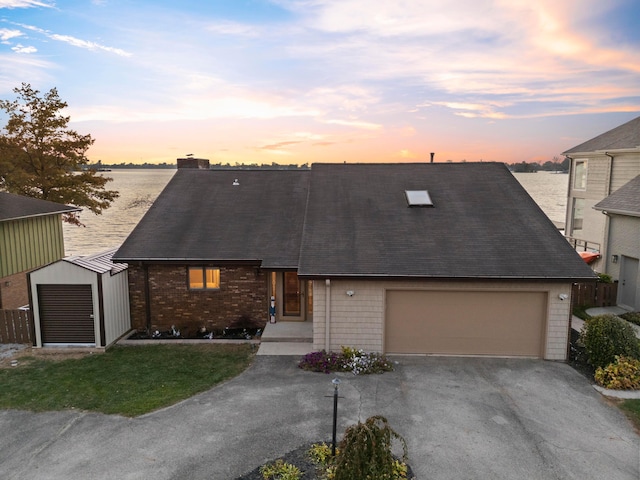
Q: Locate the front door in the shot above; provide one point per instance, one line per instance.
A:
(628, 282)
(294, 297)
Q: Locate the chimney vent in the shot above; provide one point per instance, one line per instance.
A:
(191, 162)
(432, 155)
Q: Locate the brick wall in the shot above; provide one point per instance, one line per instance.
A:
(240, 301)
(13, 291)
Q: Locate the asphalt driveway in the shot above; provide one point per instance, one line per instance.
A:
(463, 418)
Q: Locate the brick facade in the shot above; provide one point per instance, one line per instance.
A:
(13, 291)
(241, 300)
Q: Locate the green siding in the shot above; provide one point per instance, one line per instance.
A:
(30, 243)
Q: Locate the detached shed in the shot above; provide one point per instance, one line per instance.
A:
(80, 301)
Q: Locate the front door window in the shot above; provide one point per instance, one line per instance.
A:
(292, 305)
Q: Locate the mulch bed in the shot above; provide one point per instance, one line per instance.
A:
(578, 358)
(299, 458)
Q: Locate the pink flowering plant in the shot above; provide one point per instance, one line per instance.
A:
(349, 359)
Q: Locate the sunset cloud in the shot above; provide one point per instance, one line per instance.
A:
(382, 81)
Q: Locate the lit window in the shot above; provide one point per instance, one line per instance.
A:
(204, 278)
(580, 175)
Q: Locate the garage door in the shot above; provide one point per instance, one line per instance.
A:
(465, 323)
(66, 314)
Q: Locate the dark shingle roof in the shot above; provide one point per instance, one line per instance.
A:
(357, 223)
(625, 136)
(483, 225)
(201, 215)
(624, 201)
(15, 207)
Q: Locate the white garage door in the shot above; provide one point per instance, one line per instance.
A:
(465, 322)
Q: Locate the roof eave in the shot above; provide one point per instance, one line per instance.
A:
(45, 214)
(348, 276)
(605, 152)
(607, 211)
(187, 261)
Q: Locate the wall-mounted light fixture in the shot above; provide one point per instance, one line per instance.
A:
(614, 258)
(350, 293)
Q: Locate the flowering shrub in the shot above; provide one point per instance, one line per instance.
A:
(360, 363)
(348, 360)
(622, 374)
(322, 362)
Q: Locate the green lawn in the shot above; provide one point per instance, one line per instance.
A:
(129, 381)
(632, 409)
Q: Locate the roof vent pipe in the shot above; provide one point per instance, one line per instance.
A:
(432, 155)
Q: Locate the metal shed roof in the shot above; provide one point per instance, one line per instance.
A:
(98, 262)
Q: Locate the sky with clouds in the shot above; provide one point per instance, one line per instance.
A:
(303, 81)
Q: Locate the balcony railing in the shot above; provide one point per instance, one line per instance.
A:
(583, 245)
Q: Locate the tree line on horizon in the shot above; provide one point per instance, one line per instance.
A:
(554, 165)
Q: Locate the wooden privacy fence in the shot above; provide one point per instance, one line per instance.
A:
(15, 326)
(595, 294)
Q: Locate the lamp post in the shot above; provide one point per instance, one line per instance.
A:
(336, 382)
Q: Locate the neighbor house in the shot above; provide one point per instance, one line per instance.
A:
(622, 209)
(30, 236)
(437, 258)
(598, 168)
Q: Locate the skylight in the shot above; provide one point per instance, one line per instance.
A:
(418, 198)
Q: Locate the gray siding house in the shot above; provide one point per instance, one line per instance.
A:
(598, 168)
(622, 208)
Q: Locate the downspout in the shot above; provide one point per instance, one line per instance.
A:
(604, 248)
(567, 213)
(609, 173)
(327, 315)
(147, 297)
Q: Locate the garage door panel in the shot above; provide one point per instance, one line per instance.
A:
(66, 314)
(465, 323)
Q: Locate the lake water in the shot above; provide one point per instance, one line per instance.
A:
(139, 188)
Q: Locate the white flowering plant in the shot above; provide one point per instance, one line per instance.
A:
(361, 363)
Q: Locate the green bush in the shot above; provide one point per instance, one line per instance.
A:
(622, 374)
(365, 452)
(605, 278)
(605, 336)
(633, 317)
(280, 470)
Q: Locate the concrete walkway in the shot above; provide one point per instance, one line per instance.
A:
(287, 338)
(577, 323)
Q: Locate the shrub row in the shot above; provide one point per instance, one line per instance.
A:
(613, 349)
